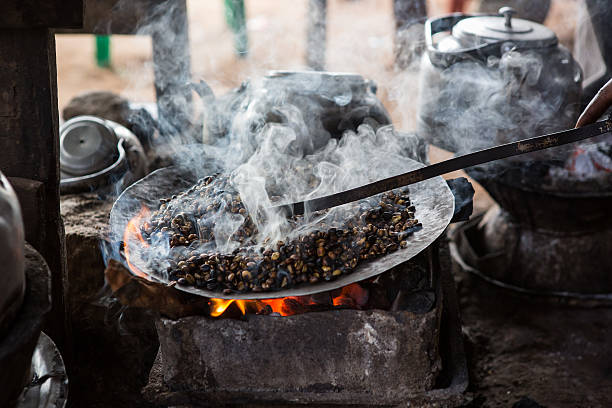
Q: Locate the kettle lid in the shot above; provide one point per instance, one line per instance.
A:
(485, 29)
(87, 145)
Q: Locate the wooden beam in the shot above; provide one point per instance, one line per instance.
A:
(31, 195)
(316, 34)
(29, 145)
(41, 14)
(409, 39)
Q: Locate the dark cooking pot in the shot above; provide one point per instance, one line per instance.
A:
(329, 103)
(525, 193)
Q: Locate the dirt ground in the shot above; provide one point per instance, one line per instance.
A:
(518, 348)
(555, 355)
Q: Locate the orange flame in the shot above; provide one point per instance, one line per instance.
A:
(132, 233)
(219, 306)
(353, 296)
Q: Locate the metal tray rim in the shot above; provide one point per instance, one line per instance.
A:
(432, 198)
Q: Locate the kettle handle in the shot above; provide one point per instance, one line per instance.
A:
(444, 59)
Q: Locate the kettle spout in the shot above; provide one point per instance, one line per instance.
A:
(209, 114)
(203, 90)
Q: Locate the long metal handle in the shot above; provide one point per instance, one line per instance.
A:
(447, 166)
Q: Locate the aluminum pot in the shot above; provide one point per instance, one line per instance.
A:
(328, 104)
(533, 10)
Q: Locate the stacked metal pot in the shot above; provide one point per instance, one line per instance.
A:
(11, 255)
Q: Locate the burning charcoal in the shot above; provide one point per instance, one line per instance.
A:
(415, 301)
(266, 310)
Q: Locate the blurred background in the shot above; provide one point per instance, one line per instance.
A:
(359, 39)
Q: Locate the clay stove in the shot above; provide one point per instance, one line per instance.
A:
(393, 339)
(345, 350)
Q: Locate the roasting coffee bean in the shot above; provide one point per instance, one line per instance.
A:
(259, 264)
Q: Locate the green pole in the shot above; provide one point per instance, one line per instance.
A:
(235, 16)
(103, 58)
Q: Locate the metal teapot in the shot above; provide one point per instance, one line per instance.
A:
(328, 103)
(96, 152)
(490, 79)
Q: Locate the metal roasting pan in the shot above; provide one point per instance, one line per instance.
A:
(432, 198)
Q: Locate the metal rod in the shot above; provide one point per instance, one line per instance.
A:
(448, 166)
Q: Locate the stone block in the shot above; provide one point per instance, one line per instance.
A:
(366, 357)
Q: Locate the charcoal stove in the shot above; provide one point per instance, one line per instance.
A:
(380, 332)
(401, 346)
(407, 355)
(403, 354)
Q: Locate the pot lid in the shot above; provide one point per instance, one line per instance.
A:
(486, 29)
(87, 145)
(340, 87)
(315, 81)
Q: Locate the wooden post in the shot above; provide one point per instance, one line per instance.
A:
(316, 34)
(172, 66)
(167, 24)
(29, 142)
(409, 38)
